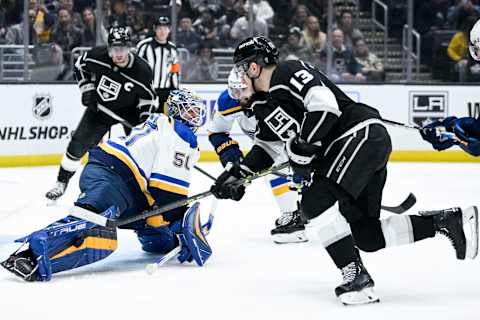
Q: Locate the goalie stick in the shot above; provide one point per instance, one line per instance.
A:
(103, 221)
(401, 208)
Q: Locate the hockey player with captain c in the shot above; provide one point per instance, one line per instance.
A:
(123, 177)
(230, 108)
(119, 81)
(338, 151)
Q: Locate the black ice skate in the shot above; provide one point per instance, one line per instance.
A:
(357, 285)
(290, 228)
(22, 265)
(57, 191)
(460, 227)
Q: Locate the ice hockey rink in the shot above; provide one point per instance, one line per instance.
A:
(248, 276)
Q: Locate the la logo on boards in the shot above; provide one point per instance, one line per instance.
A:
(427, 107)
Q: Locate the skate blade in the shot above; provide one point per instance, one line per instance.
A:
(364, 296)
(294, 237)
(51, 203)
(470, 227)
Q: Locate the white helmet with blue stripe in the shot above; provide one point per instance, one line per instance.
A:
(236, 84)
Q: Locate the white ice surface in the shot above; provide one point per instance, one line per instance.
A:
(248, 276)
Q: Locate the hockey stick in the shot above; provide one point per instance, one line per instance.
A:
(103, 221)
(151, 268)
(401, 208)
(127, 124)
(415, 127)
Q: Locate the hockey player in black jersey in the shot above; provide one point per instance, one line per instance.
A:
(116, 81)
(338, 152)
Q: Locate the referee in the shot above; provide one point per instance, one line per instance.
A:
(162, 57)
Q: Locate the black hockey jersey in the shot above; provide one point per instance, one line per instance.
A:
(126, 91)
(303, 101)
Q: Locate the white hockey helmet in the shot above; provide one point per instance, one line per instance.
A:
(236, 84)
(186, 106)
(475, 41)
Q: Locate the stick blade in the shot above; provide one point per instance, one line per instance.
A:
(404, 206)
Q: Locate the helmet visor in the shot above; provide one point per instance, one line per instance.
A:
(118, 50)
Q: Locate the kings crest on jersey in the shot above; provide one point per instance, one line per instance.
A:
(297, 88)
(117, 88)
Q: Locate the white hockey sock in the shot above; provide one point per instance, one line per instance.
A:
(397, 230)
(69, 164)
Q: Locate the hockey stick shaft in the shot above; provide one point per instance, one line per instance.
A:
(401, 208)
(192, 199)
(127, 124)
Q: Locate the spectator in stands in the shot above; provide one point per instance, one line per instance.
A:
(350, 33)
(300, 16)
(345, 67)
(202, 67)
(262, 10)
(460, 11)
(458, 49)
(229, 13)
(89, 27)
(240, 29)
(66, 36)
(371, 65)
(312, 34)
(136, 22)
(119, 14)
(15, 32)
(44, 22)
(75, 16)
(206, 27)
(319, 9)
(431, 16)
(294, 50)
(187, 37)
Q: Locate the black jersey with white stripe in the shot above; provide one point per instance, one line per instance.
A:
(163, 60)
(303, 101)
(124, 90)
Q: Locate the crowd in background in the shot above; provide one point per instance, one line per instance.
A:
(299, 29)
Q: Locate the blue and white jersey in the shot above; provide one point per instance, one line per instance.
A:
(159, 153)
(227, 111)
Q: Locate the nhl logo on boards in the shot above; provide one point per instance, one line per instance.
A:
(427, 107)
(108, 89)
(42, 106)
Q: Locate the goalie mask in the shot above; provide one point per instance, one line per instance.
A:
(475, 41)
(187, 107)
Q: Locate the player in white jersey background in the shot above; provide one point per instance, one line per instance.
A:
(123, 177)
(290, 227)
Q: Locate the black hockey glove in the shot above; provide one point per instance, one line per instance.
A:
(89, 100)
(300, 156)
(228, 185)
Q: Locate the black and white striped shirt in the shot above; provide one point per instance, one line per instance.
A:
(163, 60)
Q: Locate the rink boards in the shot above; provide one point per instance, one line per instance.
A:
(37, 120)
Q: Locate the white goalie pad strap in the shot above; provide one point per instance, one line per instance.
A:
(334, 231)
(87, 215)
(397, 230)
(69, 164)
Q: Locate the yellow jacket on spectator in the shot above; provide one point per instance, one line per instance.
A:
(458, 47)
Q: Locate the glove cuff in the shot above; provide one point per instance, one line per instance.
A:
(87, 87)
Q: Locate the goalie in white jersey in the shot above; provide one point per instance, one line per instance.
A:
(290, 227)
(123, 177)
